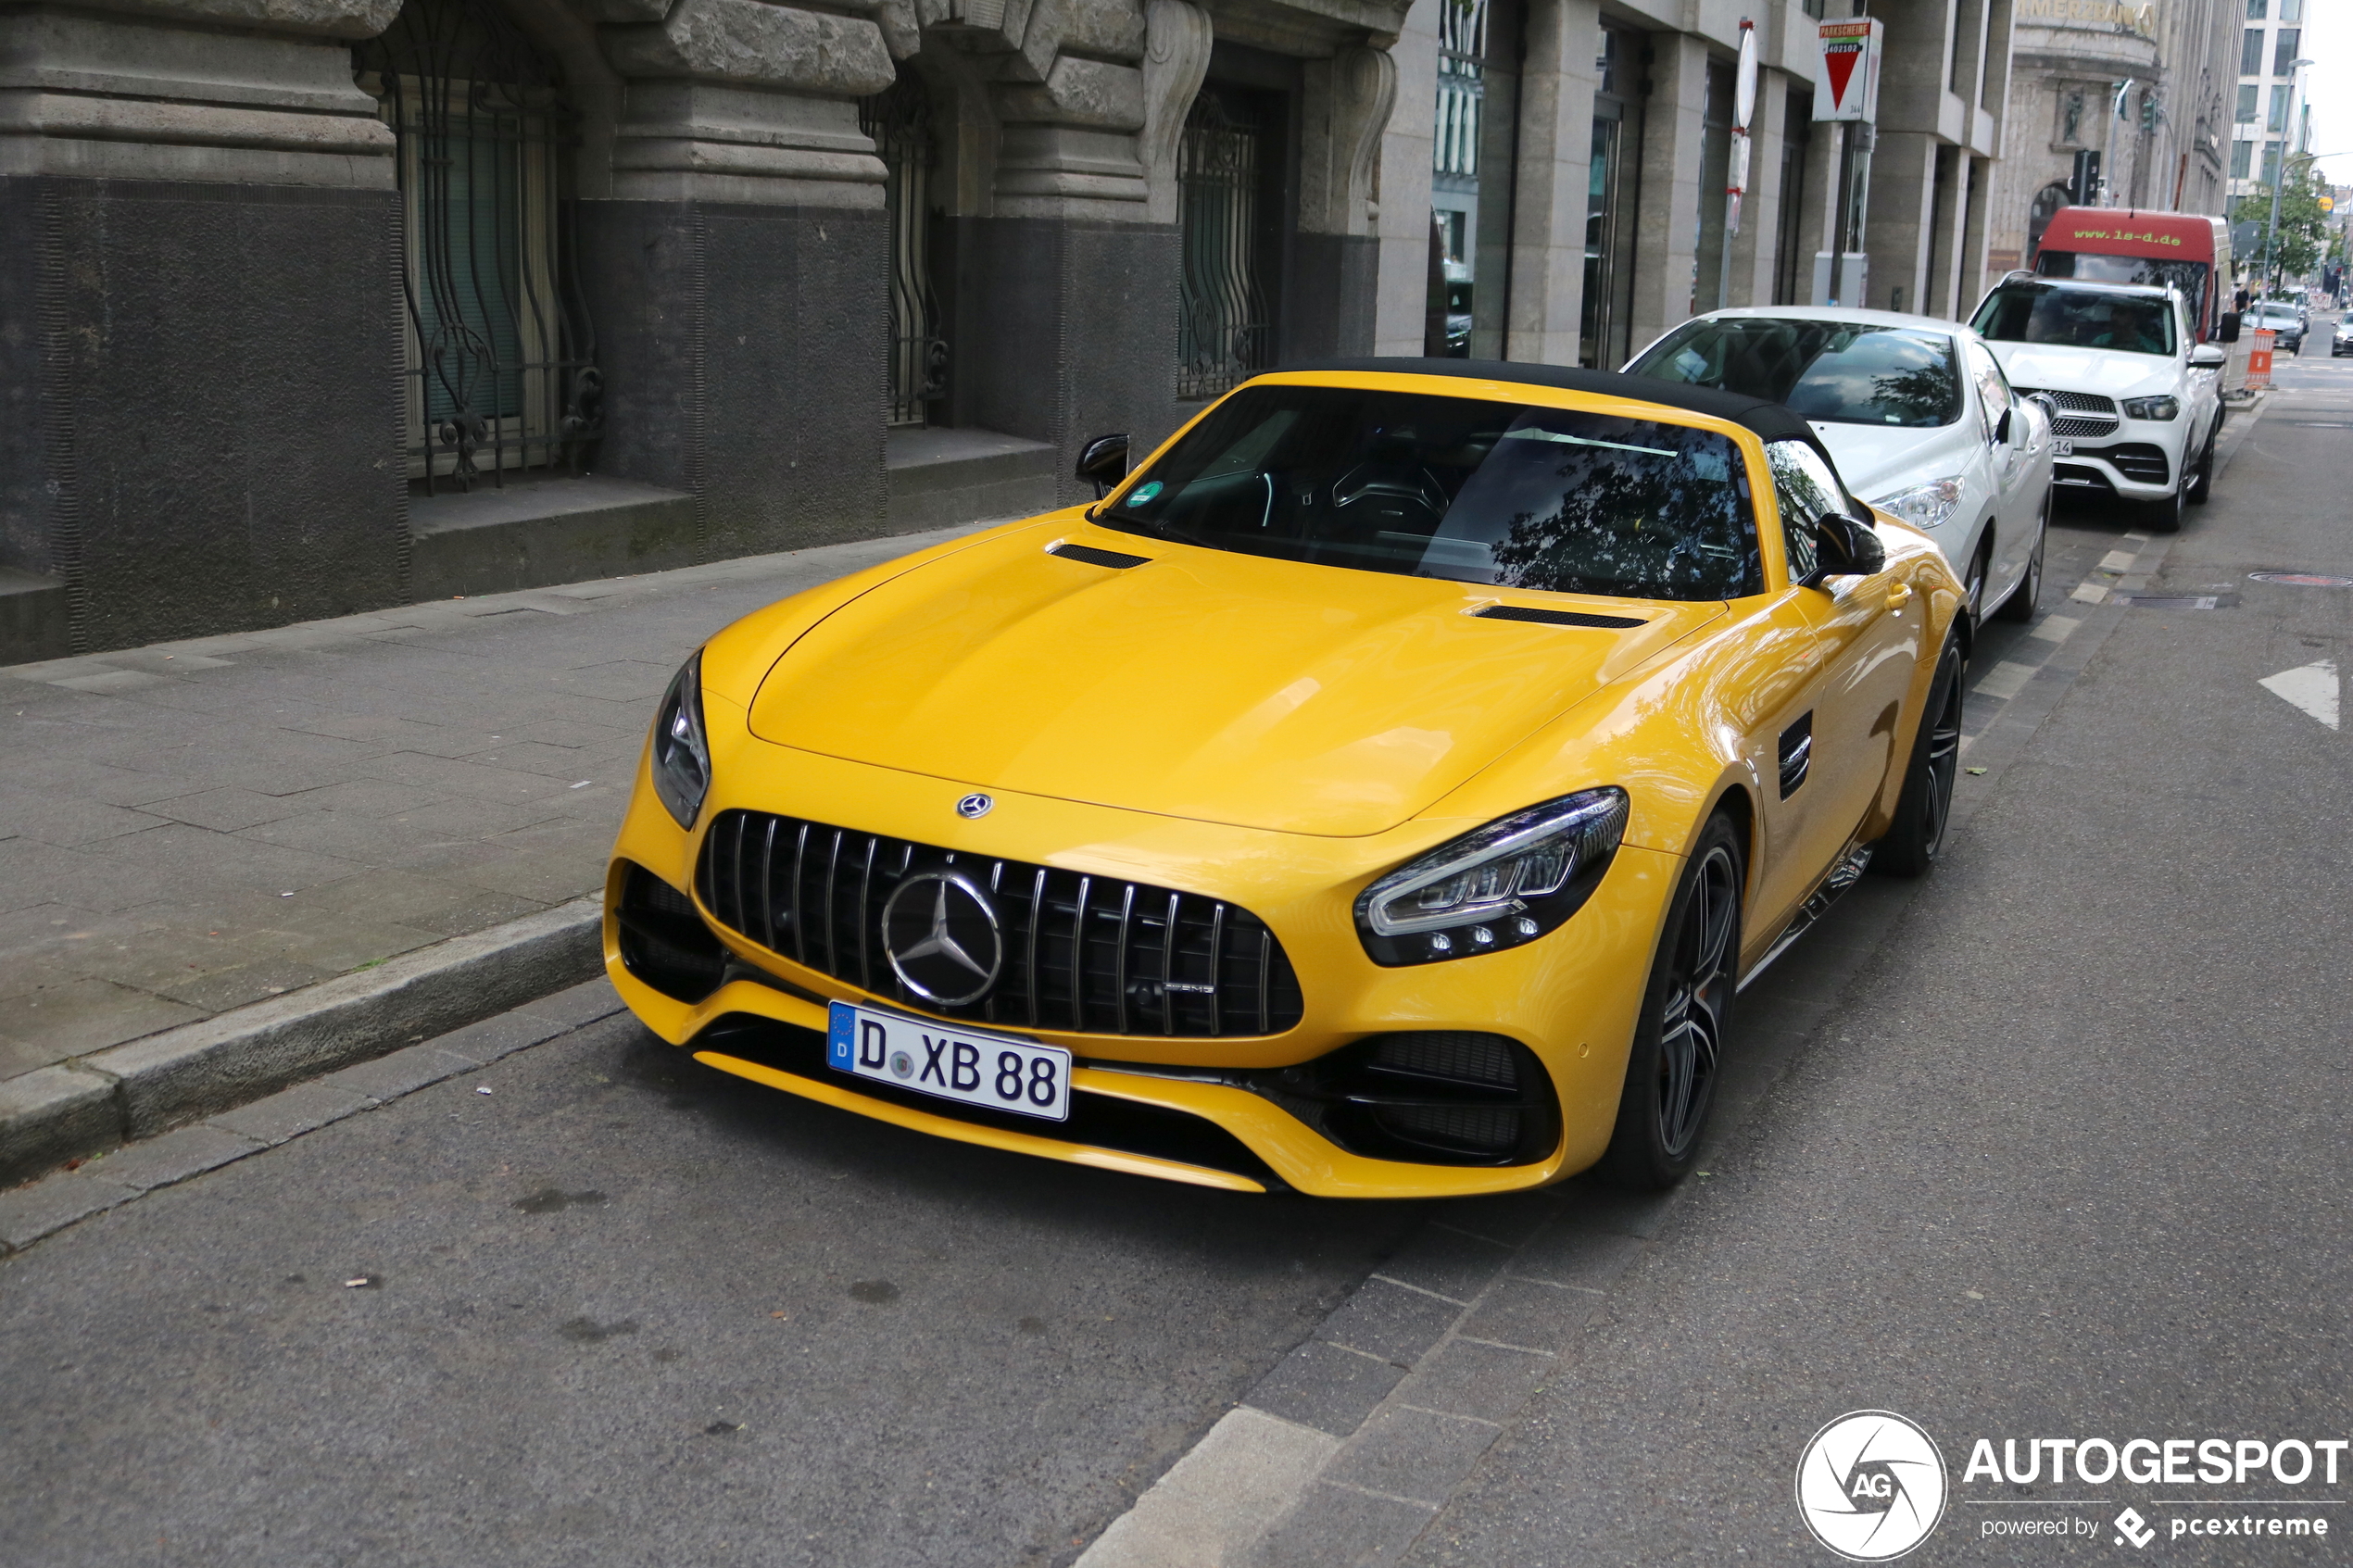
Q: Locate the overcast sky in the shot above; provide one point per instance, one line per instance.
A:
(2328, 42)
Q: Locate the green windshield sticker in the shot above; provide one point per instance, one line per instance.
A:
(1144, 492)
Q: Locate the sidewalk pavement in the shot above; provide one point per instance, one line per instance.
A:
(199, 826)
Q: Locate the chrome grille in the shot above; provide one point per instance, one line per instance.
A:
(1089, 954)
(2080, 413)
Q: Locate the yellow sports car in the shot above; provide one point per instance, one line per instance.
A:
(1382, 791)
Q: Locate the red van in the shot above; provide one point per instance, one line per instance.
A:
(2119, 246)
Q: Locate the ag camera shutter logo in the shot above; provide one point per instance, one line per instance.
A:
(1871, 1485)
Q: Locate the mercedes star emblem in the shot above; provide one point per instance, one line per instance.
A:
(942, 938)
(974, 805)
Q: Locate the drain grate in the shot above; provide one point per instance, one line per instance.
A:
(2180, 601)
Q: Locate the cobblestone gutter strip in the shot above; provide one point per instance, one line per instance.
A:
(147, 1086)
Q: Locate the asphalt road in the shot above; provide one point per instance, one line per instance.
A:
(2063, 1160)
(2067, 1161)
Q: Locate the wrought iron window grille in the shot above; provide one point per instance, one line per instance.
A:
(1226, 333)
(899, 119)
(501, 364)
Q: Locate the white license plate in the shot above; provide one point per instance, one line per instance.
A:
(2062, 447)
(989, 1070)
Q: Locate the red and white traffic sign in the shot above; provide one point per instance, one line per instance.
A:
(1847, 84)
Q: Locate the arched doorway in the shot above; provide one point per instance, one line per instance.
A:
(899, 119)
(500, 369)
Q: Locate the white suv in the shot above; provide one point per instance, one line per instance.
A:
(2139, 399)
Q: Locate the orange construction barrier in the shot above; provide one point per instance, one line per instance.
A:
(2259, 358)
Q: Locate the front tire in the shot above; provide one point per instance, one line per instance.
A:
(2027, 595)
(1678, 1041)
(2164, 516)
(2202, 489)
(1925, 808)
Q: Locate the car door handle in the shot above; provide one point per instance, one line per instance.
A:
(1898, 594)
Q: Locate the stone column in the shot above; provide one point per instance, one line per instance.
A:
(738, 268)
(1063, 279)
(1556, 159)
(1667, 227)
(1895, 228)
(199, 415)
(1344, 108)
(1401, 299)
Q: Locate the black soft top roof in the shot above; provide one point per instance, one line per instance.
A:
(1771, 422)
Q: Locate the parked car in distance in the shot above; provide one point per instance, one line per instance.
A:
(2139, 397)
(2343, 340)
(1915, 412)
(2287, 323)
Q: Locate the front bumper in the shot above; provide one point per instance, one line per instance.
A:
(2140, 462)
(1570, 998)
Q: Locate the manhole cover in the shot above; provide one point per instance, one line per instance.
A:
(2300, 579)
(2181, 601)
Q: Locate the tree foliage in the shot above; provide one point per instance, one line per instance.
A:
(2303, 236)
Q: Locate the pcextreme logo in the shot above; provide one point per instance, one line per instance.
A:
(1870, 1485)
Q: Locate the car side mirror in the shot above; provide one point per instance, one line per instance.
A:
(2206, 357)
(1845, 546)
(2228, 332)
(2002, 429)
(1103, 463)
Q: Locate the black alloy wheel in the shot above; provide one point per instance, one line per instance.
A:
(2027, 596)
(1678, 1041)
(2202, 487)
(1924, 809)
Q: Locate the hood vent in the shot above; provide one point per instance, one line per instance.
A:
(1556, 617)
(1094, 557)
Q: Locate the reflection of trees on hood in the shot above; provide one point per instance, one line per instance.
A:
(1621, 529)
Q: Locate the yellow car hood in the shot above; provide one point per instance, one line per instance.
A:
(1204, 685)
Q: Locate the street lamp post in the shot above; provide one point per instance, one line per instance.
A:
(2279, 180)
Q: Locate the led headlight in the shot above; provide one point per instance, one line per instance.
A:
(681, 748)
(1925, 505)
(1508, 884)
(2152, 408)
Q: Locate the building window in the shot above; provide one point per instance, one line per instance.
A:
(2248, 95)
(2270, 162)
(2291, 10)
(899, 119)
(501, 367)
(1791, 255)
(2277, 122)
(1603, 326)
(2284, 50)
(2241, 158)
(1462, 89)
(1225, 166)
(2257, 9)
(2251, 52)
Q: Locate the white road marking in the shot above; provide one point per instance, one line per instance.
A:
(2054, 628)
(2117, 561)
(2312, 687)
(2135, 540)
(2006, 680)
(2088, 593)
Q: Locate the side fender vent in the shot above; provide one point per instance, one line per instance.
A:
(1557, 617)
(1093, 556)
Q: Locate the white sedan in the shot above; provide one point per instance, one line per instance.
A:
(1918, 416)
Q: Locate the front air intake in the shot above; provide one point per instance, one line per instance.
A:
(1430, 1096)
(1094, 954)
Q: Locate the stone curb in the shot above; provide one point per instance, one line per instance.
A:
(144, 1087)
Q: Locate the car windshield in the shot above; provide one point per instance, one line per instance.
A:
(2188, 276)
(1458, 488)
(1833, 371)
(2278, 312)
(2077, 317)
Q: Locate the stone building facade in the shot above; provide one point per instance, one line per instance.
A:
(312, 305)
(1604, 133)
(2115, 102)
